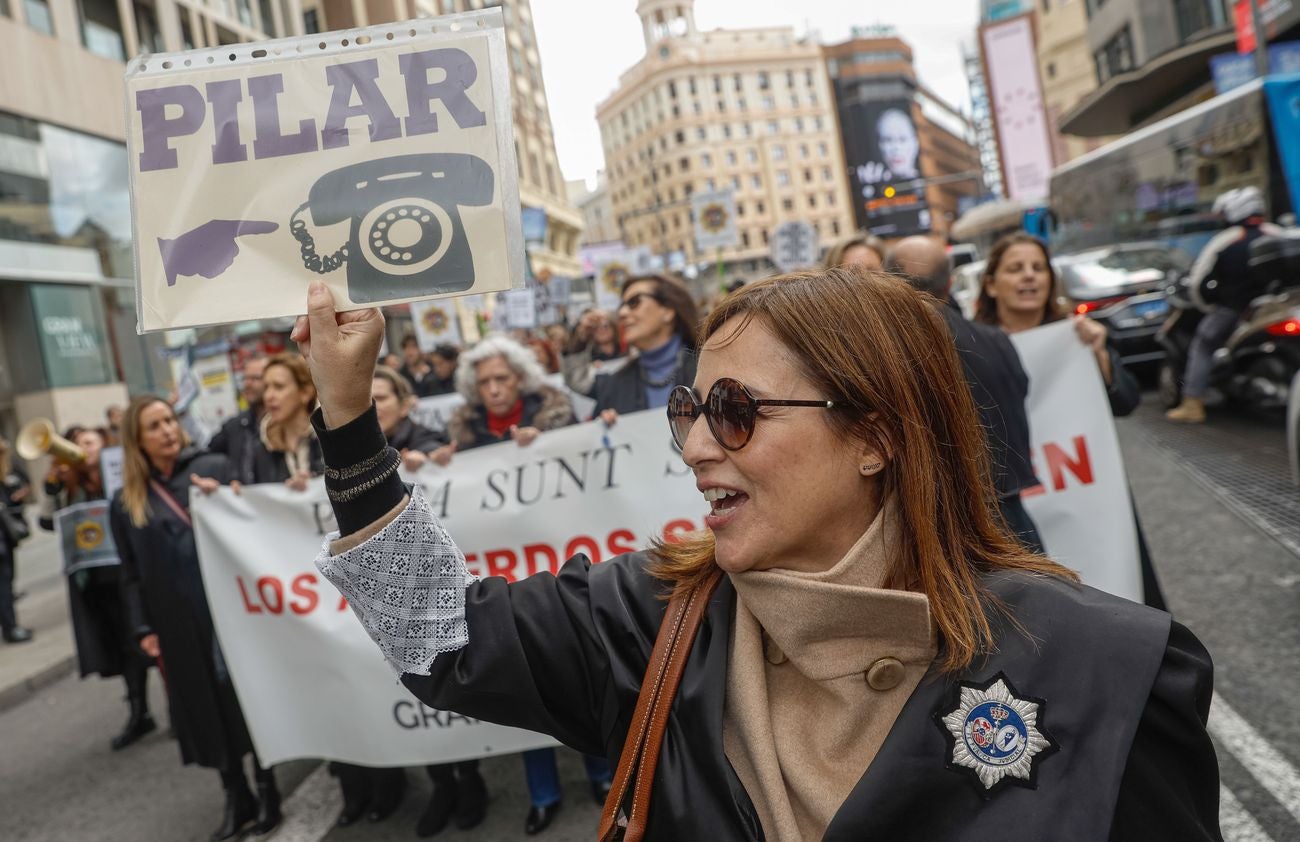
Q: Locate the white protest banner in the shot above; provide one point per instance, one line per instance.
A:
(320, 686)
(385, 152)
(521, 308)
(435, 323)
(112, 467)
(714, 213)
(1082, 509)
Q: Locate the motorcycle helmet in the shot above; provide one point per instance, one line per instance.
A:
(1238, 205)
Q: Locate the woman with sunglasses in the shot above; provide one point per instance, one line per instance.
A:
(880, 660)
(658, 319)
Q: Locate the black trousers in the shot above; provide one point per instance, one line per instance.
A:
(7, 617)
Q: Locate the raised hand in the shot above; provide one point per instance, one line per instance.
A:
(341, 349)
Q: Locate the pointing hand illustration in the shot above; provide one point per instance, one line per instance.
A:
(209, 249)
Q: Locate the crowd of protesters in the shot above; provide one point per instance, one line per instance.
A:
(152, 608)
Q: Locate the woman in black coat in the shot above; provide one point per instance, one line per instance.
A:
(394, 401)
(1019, 291)
(658, 318)
(168, 611)
(106, 644)
(881, 658)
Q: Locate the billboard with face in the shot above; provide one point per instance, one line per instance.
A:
(883, 152)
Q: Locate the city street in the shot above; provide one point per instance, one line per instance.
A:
(1217, 508)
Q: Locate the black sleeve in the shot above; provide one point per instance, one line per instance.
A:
(1124, 392)
(535, 659)
(352, 444)
(220, 443)
(1170, 788)
(137, 616)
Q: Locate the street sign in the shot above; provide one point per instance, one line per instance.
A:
(794, 246)
(715, 219)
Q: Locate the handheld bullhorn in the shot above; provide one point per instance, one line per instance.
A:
(38, 438)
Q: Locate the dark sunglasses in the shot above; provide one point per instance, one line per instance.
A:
(634, 301)
(730, 410)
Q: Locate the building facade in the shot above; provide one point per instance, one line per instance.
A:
(598, 222)
(751, 110)
(936, 167)
(1065, 66)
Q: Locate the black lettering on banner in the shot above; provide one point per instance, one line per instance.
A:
(613, 453)
(411, 715)
(438, 497)
(492, 479)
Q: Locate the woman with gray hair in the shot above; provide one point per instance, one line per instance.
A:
(506, 397)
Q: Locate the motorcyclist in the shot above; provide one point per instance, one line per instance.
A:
(1220, 287)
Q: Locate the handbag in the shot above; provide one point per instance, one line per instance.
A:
(14, 525)
(636, 765)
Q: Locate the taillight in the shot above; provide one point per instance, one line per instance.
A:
(1289, 327)
(1083, 308)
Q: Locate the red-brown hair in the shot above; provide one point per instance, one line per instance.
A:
(883, 351)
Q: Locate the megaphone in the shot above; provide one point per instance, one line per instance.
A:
(38, 438)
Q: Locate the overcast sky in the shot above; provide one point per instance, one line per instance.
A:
(586, 45)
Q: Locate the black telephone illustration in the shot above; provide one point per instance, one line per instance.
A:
(407, 238)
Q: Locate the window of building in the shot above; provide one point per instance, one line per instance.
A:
(751, 155)
(710, 185)
(717, 84)
(756, 181)
(744, 237)
(803, 150)
(807, 176)
(769, 103)
(726, 130)
(731, 157)
(822, 149)
(706, 160)
(737, 82)
(812, 200)
(691, 82)
(740, 208)
(789, 78)
(1116, 56)
(672, 90)
(101, 28)
(798, 124)
(835, 227)
(740, 103)
(1193, 17)
(146, 29)
(808, 78)
(817, 121)
(783, 178)
(773, 127)
(1051, 70)
(778, 152)
(684, 164)
(679, 136)
(748, 129)
(38, 16)
(735, 182)
(760, 207)
(688, 190)
(722, 106)
(830, 199)
(764, 234)
(764, 81)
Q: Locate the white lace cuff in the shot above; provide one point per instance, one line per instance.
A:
(407, 585)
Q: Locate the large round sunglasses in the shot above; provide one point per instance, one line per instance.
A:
(730, 410)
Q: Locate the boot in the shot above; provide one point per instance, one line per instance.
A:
(137, 725)
(438, 812)
(389, 786)
(1190, 411)
(471, 800)
(356, 791)
(268, 805)
(241, 811)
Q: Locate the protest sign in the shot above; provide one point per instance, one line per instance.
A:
(85, 539)
(435, 323)
(435, 412)
(714, 213)
(321, 686)
(380, 160)
(216, 401)
(521, 308)
(1082, 509)
(112, 466)
(613, 268)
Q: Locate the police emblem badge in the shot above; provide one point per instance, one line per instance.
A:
(996, 734)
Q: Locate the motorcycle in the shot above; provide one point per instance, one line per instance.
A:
(1257, 365)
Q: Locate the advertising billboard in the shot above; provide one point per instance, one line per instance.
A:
(883, 152)
(1011, 69)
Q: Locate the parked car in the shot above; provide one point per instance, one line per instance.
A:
(1124, 288)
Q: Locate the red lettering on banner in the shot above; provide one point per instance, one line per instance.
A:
(583, 543)
(533, 551)
(472, 565)
(249, 606)
(675, 530)
(277, 591)
(302, 586)
(501, 563)
(343, 603)
(621, 541)
(1058, 461)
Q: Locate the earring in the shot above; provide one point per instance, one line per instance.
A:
(868, 470)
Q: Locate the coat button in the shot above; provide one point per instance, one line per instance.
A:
(885, 674)
(772, 652)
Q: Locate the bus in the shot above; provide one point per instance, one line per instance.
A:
(1158, 184)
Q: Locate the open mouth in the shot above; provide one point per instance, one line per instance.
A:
(723, 500)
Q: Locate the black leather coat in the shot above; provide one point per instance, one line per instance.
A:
(1126, 693)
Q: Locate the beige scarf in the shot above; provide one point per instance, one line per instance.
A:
(821, 664)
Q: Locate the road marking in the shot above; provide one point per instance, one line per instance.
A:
(1235, 823)
(310, 812)
(1273, 772)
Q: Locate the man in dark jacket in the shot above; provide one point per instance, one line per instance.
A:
(997, 381)
(237, 438)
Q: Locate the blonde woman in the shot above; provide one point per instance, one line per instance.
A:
(168, 610)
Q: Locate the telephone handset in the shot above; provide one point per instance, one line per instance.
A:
(406, 238)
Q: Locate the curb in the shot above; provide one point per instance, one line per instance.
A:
(17, 693)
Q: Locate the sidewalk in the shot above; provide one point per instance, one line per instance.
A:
(27, 667)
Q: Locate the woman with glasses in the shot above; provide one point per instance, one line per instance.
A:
(658, 319)
(880, 659)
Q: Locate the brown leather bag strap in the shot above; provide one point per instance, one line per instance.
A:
(663, 675)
